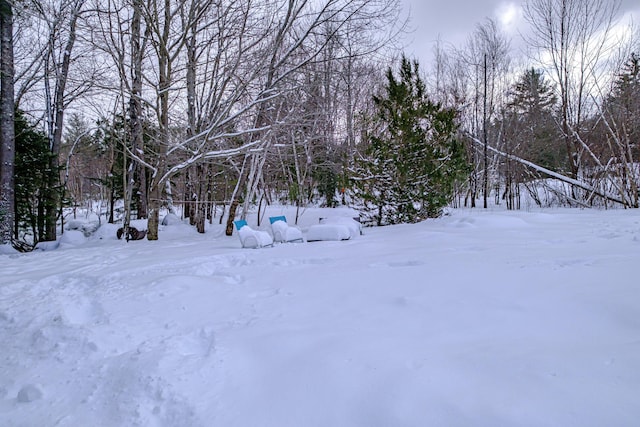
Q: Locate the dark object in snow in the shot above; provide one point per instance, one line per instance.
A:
(21, 246)
(134, 234)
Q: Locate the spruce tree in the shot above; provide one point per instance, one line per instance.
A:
(410, 167)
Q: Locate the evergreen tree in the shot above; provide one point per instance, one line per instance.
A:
(627, 86)
(624, 101)
(410, 167)
(534, 133)
(532, 94)
(31, 169)
(326, 180)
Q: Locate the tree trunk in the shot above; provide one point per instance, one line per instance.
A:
(135, 171)
(234, 198)
(154, 215)
(232, 215)
(164, 86)
(195, 173)
(201, 203)
(485, 156)
(56, 122)
(7, 130)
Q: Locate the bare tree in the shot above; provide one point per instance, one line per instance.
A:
(213, 79)
(268, 45)
(291, 53)
(569, 38)
(487, 61)
(618, 128)
(119, 34)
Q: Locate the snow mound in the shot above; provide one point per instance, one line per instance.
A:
(7, 250)
(29, 393)
(489, 221)
(171, 219)
(352, 225)
(328, 232)
(86, 227)
(72, 238)
(47, 246)
(107, 232)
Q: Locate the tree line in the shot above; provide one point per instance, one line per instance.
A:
(219, 106)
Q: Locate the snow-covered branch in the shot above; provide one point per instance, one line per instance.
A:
(550, 173)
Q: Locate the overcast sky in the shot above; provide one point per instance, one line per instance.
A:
(454, 20)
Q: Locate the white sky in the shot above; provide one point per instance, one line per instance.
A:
(453, 21)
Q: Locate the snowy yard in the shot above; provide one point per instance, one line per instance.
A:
(476, 319)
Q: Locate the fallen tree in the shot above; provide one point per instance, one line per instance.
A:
(552, 174)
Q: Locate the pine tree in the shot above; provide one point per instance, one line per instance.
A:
(628, 83)
(532, 94)
(374, 181)
(410, 167)
(31, 169)
(624, 101)
(533, 129)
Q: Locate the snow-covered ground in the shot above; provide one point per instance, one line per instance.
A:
(480, 318)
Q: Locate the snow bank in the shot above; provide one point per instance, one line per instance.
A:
(7, 249)
(47, 246)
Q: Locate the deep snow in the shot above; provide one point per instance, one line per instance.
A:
(480, 318)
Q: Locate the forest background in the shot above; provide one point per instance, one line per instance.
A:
(206, 106)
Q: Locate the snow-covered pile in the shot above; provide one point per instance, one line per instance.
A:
(479, 318)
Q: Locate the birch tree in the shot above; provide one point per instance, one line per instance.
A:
(486, 58)
(618, 120)
(304, 35)
(214, 76)
(268, 43)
